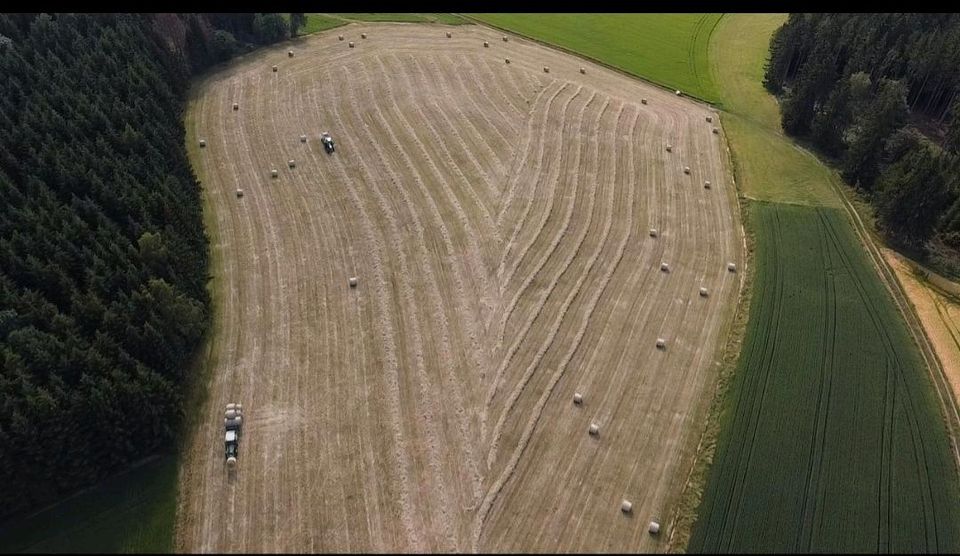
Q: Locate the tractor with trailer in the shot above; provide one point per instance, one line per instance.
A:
(233, 425)
(327, 142)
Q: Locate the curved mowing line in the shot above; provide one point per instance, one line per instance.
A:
(557, 375)
(566, 265)
(552, 198)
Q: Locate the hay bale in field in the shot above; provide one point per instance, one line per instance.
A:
(664, 267)
(653, 232)
(505, 39)
(236, 106)
(363, 35)
(594, 429)
(706, 185)
(654, 527)
(290, 54)
(709, 119)
(546, 69)
(203, 143)
(703, 292)
(678, 92)
(506, 60)
(643, 101)
(274, 69)
(449, 34)
(669, 148)
(353, 281)
(303, 138)
(351, 44)
(686, 169)
(626, 506)
(716, 131)
(340, 37)
(583, 70)
(273, 173)
(239, 193)
(731, 267)
(577, 398)
(486, 44)
(661, 343)
(291, 163)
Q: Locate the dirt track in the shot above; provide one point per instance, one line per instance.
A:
(497, 219)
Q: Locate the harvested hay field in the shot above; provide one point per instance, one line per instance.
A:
(497, 220)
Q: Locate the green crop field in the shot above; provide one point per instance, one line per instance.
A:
(133, 512)
(669, 49)
(831, 438)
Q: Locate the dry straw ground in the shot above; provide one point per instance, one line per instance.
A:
(497, 219)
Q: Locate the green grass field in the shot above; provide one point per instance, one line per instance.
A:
(320, 22)
(769, 165)
(134, 512)
(832, 440)
(668, 49)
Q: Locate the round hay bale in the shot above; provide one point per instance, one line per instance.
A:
(664, 267)
(274, 69)
(506, 60)
(289, 54)
(709, 119)
(731, 267)
(653, 232)
(486, 44)
(231, 406)
(353, 281)
(654, 527)
(577, 398)
(678, 92)
(231, 462)
(230, 414)
(594, 429)
(669, 148)
(643, 101)
(546, 69)
(340, 37)
(203, 143)
(716, 131)
(661, 343)
(273, 173)
(449, 34)
(363, 35)
(626, 506)
(706, 185)
(303, 138)
(703, 292)
(350, 44)
(236, 106)
(291, 163)
(505, 39)
(239, 407)
(239, 193)
(583, 70)
(686, 169)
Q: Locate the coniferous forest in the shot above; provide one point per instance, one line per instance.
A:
(878, 93)
(103, 255)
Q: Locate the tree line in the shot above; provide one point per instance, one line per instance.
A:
(103, 254)
(878, 94)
